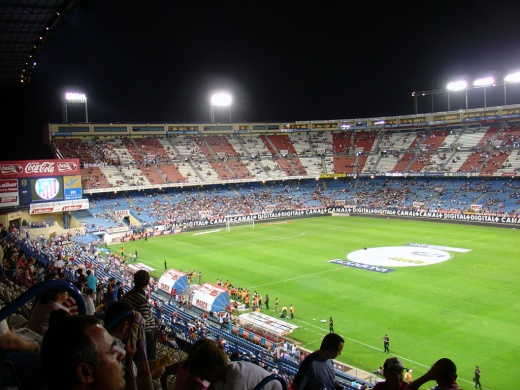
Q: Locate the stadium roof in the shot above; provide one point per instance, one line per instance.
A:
(25, 27)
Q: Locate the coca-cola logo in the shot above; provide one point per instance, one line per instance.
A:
(67, 166)
(11, 169)
(45, 167)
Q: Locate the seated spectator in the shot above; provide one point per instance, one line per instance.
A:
(78, 353)
(45, 303)
(209, 362)
(443, 371)
(127, 327)
(183, 378)
(25, 358)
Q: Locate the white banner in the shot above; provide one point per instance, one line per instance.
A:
(58, 207)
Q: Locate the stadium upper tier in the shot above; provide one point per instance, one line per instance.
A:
(142, 160)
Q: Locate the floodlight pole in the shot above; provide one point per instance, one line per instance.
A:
(71, 97)
(65, 116)
(220, 100)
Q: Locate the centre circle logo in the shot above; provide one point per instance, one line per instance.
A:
(399, 256)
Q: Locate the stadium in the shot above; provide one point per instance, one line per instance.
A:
(401, 225)
(429, 209)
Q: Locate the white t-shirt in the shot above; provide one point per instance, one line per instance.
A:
(245, 376)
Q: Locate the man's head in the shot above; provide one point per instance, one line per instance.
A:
(141, 279)
(118, 318)
(332, 345)
(393, 369)
(446, 371)
(207, 360)
(78, 353)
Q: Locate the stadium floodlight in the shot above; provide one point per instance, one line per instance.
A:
(510, 78)
(221, 99)
(455, 86)
(74, 97)
(484, 82)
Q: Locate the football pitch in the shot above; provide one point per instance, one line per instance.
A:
(452, 290)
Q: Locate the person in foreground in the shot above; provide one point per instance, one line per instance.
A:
(316, 371)
(393, 373)
(127, 327)
(184, 380)
(78, 353)
(25, 357)
(209, 362)
(443, 371)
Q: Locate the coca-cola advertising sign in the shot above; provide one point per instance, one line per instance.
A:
(38, 168)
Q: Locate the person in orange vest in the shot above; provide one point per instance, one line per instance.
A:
(408, 376)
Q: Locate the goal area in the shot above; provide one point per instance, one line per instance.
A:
(235, 225)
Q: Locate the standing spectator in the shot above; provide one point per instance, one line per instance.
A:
(78, 353)
(443, 371)
(92, 281)
(89, 301)
(111, 294)
(331, 325)
(139, 302)
(386, 343)
(393, 373)
(291, 309)
(316, 371)
(477, 378)
(120, 290)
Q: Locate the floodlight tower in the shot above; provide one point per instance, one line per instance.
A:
(221, 99)
(510, 78)
(484, 82)
(74, 97)
(457, 86)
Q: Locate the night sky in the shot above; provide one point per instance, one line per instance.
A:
(157, 61)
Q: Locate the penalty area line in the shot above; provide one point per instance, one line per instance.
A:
(208, 232)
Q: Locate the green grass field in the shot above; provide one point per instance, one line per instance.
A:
(466, 308)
